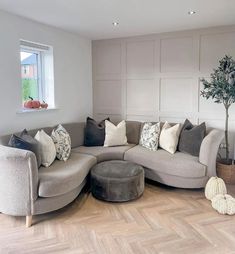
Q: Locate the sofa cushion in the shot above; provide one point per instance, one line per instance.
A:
(26, 142)
(104, 153)
(62, 143)
(169, 137)
(178, 164)
(149, 136)
(191, 138)
(115, 135)
(62, 177)
(76, 133)
(94, 132)
(133, 132)
(46, 148)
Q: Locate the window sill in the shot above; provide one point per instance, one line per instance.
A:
(25, 110)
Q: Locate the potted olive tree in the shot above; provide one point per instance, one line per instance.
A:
(221, 89)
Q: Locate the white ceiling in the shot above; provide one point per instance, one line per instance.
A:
(93, 18)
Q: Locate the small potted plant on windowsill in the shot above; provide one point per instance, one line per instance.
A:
(221, 89)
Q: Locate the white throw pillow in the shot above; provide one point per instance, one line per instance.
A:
(115, 135)
(169, 137)
(62, 143)
(47, 148)
(150, 135)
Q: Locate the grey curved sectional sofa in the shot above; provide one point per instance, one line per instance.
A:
(26, 190)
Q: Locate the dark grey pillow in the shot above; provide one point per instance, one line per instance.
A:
(94, 132)
(26, 142)
(191, 138)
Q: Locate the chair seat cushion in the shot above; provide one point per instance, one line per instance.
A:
(104, 153)
(62, 177)
(178, 164)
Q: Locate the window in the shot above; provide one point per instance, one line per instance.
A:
(37, 72)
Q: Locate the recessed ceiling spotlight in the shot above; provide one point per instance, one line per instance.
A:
(115, 23)
(191, 12)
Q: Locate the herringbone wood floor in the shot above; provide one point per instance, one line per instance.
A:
(164, 220)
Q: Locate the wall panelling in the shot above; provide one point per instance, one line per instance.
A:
(157, 77)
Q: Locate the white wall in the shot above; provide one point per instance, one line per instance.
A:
(156, 77)
(72, 69)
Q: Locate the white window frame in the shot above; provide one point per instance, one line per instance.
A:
(41, 50)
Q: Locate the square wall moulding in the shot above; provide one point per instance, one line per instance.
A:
(157, 77)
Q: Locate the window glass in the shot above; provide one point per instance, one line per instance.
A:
(29, 75)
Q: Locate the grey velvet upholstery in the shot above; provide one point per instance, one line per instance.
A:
(27, 190)
(104, 153)
(117, 181)
(62, 177)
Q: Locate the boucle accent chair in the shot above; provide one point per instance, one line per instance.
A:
(26, 190)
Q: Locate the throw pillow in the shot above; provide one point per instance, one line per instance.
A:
(94, 132)
(191, 138)
(149, 136)
(26, 142)
(169, 137)
(62, 142)
(115, 135)
(47, 148)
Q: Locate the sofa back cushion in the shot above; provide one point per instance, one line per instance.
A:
(75, 130)
(133, 132)
(5, 139)
(76, 133)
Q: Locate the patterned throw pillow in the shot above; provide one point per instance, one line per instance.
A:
(150, 135)
(62, 143)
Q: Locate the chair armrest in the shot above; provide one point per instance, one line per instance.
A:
(18, 181)
(209, 150)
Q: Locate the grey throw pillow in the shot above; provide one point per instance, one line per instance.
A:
(94, 132)
(191, 138)
(26, 142)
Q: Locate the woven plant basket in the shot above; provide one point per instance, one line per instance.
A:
(226, 172)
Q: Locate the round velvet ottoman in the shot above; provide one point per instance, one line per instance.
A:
(117, 181)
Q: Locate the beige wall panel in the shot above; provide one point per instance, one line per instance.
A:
(177, 54)
(141, 97)
(140, 59)
(176, 94)
(108, 97)
(108, 59)
(214, 47)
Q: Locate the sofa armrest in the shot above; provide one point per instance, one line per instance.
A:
(209, 150)
(18, 181)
